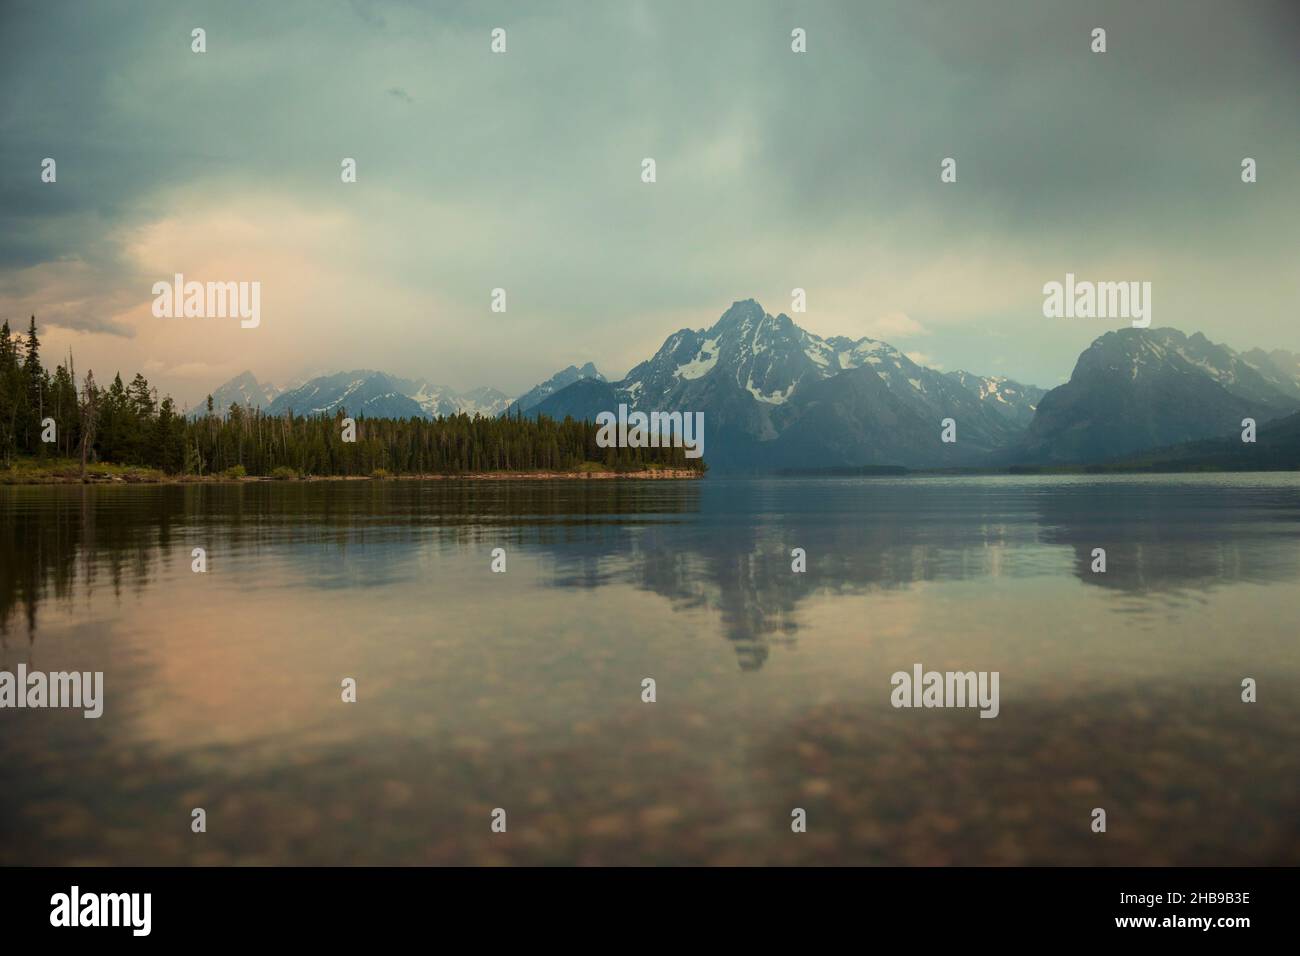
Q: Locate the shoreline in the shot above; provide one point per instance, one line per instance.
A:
(120, 475)
(126, 475)
(102, 474)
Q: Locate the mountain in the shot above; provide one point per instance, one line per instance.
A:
(562, 379)
(1284, 366)
(1276, 447)
(776, 395)
(243, 389)
(439, 401)
(484, 400)
(1138, 389)
(585, 398)
(1004, 395)
(374, 394)
(362, 392)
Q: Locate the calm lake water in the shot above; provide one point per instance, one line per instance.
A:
(478, 690)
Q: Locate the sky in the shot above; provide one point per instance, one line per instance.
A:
(522, 170)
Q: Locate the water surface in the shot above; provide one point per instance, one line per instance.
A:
(522, 690)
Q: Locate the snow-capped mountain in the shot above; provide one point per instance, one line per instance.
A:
(484, 400)
(380, 395)
(1004, 395)
(360, 392)
(562, 379)
(245, 390)
(775, 394)
(363, 392)
(1138, 389)
(440, 401)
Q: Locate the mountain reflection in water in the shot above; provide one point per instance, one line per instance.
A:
(522, 689)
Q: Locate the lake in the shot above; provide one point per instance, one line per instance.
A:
(523, 690)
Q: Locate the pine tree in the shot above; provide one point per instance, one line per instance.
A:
(63, 407)
(34, 379)
(127, 425)
(10, 386)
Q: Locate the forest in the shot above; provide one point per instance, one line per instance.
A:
(47, 414)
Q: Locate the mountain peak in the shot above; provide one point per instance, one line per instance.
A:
(561, 379)
(740, 312)
(243, 390)
(1144, 388)
(783, 395)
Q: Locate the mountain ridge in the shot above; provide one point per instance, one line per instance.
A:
(1138, 389)
(775, 394)
(778, 396)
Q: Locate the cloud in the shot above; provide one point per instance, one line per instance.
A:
(198, 370)
(69, 294)
(895, 325)
(775, 170)
(921, 358)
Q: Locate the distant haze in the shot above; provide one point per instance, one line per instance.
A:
(775, 170)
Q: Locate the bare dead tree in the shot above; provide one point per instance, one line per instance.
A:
(89, 415)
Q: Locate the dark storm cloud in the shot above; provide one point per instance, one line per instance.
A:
(775, 170)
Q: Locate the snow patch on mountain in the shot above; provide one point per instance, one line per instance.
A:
(705, 359)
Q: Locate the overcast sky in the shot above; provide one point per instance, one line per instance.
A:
(523, 171)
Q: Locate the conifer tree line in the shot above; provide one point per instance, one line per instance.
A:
(128, 425)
